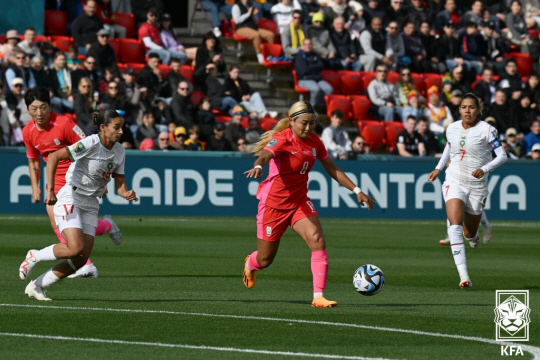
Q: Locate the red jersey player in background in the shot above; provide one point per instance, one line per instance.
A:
(291, 149)
(44, 134)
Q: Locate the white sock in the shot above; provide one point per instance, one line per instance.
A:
(484, 220)
(317, 294)
(46, 254)
(47, 279)
(457, 247)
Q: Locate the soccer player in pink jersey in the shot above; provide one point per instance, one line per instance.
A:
(44, 134)
(291, 149)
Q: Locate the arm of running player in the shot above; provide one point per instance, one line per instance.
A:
(493, 164)
(263, 159)
(35, 171)
(337, 174)
(121, 188)
(52, 165)
(445, 158)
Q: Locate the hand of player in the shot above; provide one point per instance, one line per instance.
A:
(478, 173)
(254, 173)
(51, 197)
(130, 196)
(433, 175)
(36, 195)
(368, 200)
(104, 193)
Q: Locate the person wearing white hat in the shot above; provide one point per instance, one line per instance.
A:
(15, 101)
(12, 39)
(535, 152)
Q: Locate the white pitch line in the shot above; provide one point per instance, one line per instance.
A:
(195, 347)
(534, 350)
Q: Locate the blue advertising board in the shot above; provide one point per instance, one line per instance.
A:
(214, 184)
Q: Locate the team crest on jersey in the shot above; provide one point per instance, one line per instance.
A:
(79, 132)
(109, 166)
(314, 152)
(78, 147)
(462, 143)
(272, 142)
(57, 142)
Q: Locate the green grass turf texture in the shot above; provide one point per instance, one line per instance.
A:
(195, 264)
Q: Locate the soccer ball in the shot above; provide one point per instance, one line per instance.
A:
(368, 280)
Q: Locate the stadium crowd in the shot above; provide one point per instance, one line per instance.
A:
(471, 46)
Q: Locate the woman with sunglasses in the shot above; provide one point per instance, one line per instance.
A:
(405, 85)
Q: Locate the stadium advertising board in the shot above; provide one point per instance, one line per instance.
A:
(214, 184)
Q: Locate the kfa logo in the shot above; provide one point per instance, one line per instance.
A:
(512, 318)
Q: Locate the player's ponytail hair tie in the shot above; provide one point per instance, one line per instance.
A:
(104, 117)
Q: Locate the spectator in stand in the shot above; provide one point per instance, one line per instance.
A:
(533, 88)
(436, 112)
(112, 99)
(108, 76)
(148, 129)
(398, 13)
(428, 137)
(209, 52)
(414, 49)
(47, 52)
(60, 77)
(308, 66)
(183, 109)
(485, 89)
(502, 110)
(241, 145)
(383, 94)
(345, 48)
(72, 59)
(40, 75)
(245, 17)
(535, 152)
(12, 39)
(413, 107)
(418, 13)
(105, 12)
(374, 10)
(375, 46)
(140, 8)
(150, 77)
(495, 46)
(472, 47)
(217, 142)
(335, 9)
(240, 90)
(510, 80)
(15, 102)
(162, 113)
(523, 114)
(173, 78)
(147, 145)
(534, 49)
(180, 135)
(473, 15)
(309, 9)
(409, 142)
(434, 52)
(27, 45)
(205, 119)
(293, 35)
(215, 7)
(220, 98)
(514, 146)
(532, 138)
(335, 138)
(150, 37)
(104, 54)
(451, 48)
(193, 143)
(357, 147)
(234, 129)
(163, 142)
(88, 70)
(253, 132)
(85, 27)
(7, 119)
(126, 139)
(168, 38)
(405, 85)
(322, 44)
(282, 13)
(450, 12)
(453, 104)
(132, 93)
(84, 106)
(460, 80)
(518, 33)
(395, 42)
(356, 22)
(18, 70)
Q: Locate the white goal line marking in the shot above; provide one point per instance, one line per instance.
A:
(195, 347)
(534, 350)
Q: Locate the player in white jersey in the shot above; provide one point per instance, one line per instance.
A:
(469, 145)
(96, 158)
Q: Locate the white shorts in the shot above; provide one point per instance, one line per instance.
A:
(74, 210)
(474, 199)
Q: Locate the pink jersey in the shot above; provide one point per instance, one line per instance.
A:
(286, 184)
(61, 132)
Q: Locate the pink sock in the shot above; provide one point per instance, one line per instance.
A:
(62, 240)
(253, 265)
(103, 227)
(319, 269)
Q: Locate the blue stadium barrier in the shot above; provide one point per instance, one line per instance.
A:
(213, 184)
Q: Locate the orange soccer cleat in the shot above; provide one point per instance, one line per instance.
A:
(248, 276)
(322, 302)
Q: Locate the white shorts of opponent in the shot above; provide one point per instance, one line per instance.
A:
(74, 210)
(474, 199)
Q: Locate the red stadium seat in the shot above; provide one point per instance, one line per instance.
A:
(301, 91)
(367, 77)
(393, 77)
(524, 62)
(267, 123)
(392, 130)
(3, 39)
(131, 51)
(360, 107)
(351, 83)
(164, 69)
(373, 133)
(127, 21)
(433, 80)
(269, 25)
(62, 42)
(239, 39)
(187, 72)
(122, 67)
(418, 81)
(40, 38)
(196, 97)
(333, 78)
(274, 50)
(56, 22)
(116, 47)
(343, 104)
(137, 67)
(223, 119)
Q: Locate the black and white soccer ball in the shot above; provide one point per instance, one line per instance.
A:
(368, 280)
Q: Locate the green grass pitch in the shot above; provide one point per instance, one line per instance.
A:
(172, 276)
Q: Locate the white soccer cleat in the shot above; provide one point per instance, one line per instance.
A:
(87, 271)
(465, 281)
(445, 241)
(114, 233)
(487, 234)
(28, 264)
(36, 292)
(474, 242)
